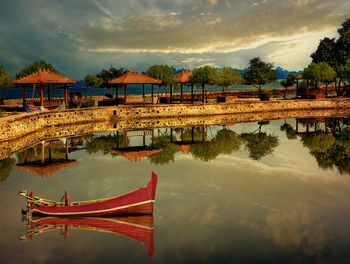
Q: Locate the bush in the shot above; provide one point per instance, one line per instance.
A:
(263, 96)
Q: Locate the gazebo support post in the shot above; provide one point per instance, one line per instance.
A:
(66, 96)
(116, 95)
(24, 98)
(297, 87)
(202, 92)
(192, 93)
(182, 93)
(42, 152)
(326, 89)
(171, 93)
(152, 93)
(41, 95)
(143, 92)
(124, 93)
(67, 150)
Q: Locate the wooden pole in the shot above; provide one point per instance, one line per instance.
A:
(25, 154)
(24, 98)
(192, 93)
(182, 93)
(42, 152)
(152, 93)
(124, 93)
(66, 96)
(144, 139)
(326, 89)
(171, 93)
(307, 88)
(116, 95)
(67, 150)
(297, 87)
(41, 95)
(202, 92)
(143, 91)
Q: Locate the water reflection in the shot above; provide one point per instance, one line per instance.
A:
(328, 142)
(46, 158)
(139, 228)
(6, 167)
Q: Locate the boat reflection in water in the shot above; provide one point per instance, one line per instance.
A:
(138, 227)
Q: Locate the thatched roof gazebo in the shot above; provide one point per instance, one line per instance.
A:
(44, 77)
(134, 78)
(184, 77)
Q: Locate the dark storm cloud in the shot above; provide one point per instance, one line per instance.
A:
(83, 36)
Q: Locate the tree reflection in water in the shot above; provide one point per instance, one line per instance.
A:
(259, 144)
(331, 147)
(6, 166)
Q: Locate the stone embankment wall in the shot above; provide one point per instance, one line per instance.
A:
(13, 127)
(238, 107)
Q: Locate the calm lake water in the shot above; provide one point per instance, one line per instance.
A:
(268, 192)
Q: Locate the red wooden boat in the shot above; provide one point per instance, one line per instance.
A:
(140, 201)
(139, 228)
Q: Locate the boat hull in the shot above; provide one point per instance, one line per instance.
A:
(140, 201)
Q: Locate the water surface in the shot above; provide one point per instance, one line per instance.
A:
(275, 192)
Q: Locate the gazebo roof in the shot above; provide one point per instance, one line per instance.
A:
(300, 77)
(47, 169)
(134, 78)
(135, 155)
(44, 76)
(183, 77)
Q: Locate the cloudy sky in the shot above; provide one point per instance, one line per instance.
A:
(84, 36)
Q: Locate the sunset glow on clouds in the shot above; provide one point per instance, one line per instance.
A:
(79, 37)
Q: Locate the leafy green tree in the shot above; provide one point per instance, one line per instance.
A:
(345, 27)
(260, 73)
(344, 75)
(163, 73)
(93, 81)
(206, 75)
(6, 166)
(5, 79)
(228, 77)
(318, 142)
(110, 74)
(326, 52)
(289, 81)
(319, 73)
(34, 68)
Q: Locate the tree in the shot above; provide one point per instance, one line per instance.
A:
(34, 68)
(319, 72)
(163, 73)
(93, 81)
(228, 141)
(345, 27)
(344, 75)
(260, 73)
(228, 77)
(206, 75)
(110, 74)
(288, 129)
(289, 81)
(5, 79)
(326, 52)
